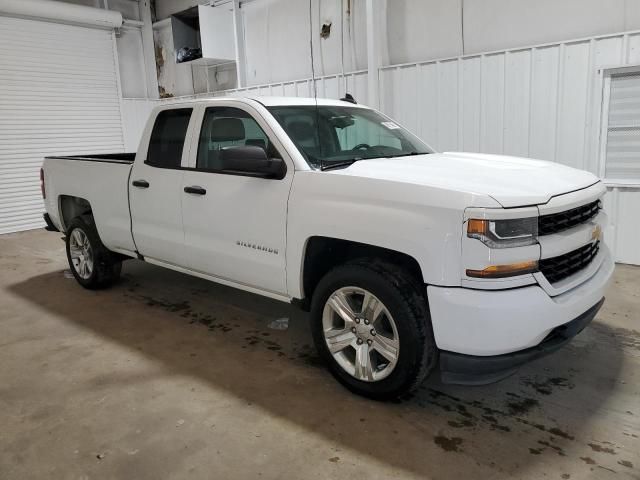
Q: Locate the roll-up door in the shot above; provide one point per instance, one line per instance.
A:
(58, 95)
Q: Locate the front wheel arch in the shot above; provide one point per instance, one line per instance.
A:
(322, 254)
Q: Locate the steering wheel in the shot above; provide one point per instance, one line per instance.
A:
(362, 146)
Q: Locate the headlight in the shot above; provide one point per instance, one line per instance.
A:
(517, 232)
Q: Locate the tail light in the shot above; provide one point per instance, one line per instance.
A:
(42, 189)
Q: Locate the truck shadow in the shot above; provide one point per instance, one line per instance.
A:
(223, 337)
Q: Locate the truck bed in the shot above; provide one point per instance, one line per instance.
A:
(102, 180)
(100, 157)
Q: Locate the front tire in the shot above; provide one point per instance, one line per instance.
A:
(371, 325)
(92, 264)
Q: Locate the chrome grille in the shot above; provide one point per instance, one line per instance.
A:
(558, 222)
(560, 267)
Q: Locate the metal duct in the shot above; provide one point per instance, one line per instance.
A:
(60, 12)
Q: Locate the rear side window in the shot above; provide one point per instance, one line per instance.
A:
(167, 138)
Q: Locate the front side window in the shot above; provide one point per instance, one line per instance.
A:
(167, 138)
(228, 127)
(331, 135)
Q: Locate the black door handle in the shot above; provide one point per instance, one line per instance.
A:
(195, 190)
(140, 183)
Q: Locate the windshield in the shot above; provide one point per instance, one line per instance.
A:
(337, 135)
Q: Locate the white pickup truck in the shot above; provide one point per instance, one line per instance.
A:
(409, 260)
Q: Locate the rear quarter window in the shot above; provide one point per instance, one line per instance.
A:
(167, 138)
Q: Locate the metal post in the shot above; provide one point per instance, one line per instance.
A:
(373, 56)
(241, 59)
(148, 49)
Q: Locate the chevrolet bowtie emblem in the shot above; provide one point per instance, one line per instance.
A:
(597, 233)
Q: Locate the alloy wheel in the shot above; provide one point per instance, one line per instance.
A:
(361, 334)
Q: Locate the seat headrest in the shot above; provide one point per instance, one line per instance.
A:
(301, 131)
(227, 130)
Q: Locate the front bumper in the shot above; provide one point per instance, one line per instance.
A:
(476, 370)
(493, 323)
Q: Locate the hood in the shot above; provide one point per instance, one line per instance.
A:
(511, 181)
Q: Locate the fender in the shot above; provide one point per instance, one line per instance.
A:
(420, 222)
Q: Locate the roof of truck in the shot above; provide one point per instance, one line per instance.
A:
(270, 101)
(286, 101)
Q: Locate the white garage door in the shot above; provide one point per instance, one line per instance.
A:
(58, 95)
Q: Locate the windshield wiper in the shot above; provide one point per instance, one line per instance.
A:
(346, 163)
(403, 155)
(340, 164)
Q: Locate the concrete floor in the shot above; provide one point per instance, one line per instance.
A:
(167, 376)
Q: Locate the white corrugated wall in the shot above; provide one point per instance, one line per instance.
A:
(135, 112)
(540, 102)
(59, 94)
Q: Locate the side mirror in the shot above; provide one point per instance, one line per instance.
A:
(251, 160)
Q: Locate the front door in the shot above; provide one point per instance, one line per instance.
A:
(234, 224)
(155, 189)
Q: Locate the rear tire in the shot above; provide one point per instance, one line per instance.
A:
(92, 264)
(401, 340)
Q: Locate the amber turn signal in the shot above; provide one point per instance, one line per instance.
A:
(479, 227)
(501, 271)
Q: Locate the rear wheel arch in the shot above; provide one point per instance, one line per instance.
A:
(72, 207)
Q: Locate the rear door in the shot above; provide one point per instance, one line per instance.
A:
(235, 224)
(155, 188)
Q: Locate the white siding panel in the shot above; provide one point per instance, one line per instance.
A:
(493, 101)
(406, 87)
(447, 105)
(517, 102)
(634, 49)
(305, 88)
(622, 206)
(332, 88)
(544, 96)
(471, 98)
(357, 86)
(135, 113)
(574, 67)
(59, 96)
(387, 89)
(290, 90)
(428, 103)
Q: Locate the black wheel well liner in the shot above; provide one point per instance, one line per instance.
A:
(72, 207)
(324, 253)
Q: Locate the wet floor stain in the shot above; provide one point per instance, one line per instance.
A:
(517, 409)
(448, 444)
(556, 448)
(166, 305)
(623, 336)
(521, 406)
(546, 386)
(599, 448)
